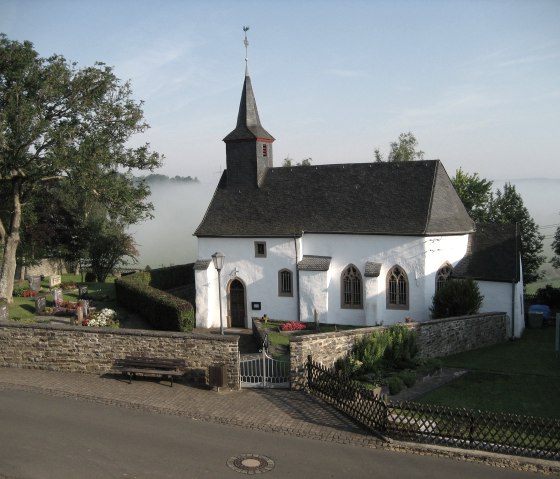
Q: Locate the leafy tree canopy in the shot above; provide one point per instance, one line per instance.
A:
(475, 193)
(503, 206)
(404, 149)
(59, 123)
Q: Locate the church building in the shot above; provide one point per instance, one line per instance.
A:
(354, 243)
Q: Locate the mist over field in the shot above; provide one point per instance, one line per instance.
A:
(179, 207)
(168, 238)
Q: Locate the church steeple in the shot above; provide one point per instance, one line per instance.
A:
(249, 145)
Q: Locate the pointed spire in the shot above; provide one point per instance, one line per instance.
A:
(248, 122)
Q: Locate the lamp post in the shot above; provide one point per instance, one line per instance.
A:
(218, 259)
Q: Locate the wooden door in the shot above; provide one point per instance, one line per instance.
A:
(237, 304)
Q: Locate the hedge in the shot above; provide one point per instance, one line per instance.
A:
(140, 292)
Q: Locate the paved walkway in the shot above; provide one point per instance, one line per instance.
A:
(295, 413)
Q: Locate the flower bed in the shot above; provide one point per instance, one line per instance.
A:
(106, 318)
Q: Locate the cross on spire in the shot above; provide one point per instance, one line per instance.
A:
(246, 43)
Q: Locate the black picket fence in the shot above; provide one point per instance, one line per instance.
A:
(410, 421)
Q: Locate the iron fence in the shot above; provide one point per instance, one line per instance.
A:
(410, 421)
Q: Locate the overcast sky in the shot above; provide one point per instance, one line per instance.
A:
(477, 82)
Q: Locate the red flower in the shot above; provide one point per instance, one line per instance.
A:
(293, 326)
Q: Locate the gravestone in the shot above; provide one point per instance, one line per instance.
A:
(57, 297)
(79, 316)
(82, 291)
(40, 304)
(84, 305)
(3, 310)
(54, 280)
(35, 283)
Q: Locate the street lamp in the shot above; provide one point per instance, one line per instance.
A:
(218, 259)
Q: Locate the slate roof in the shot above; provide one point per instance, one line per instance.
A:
(314, 263)
(492, 254)
(389, 198)
(248, 122)
(372, 269)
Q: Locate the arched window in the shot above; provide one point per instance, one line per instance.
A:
(351, 282)
(443, 275)
(285, 283)
(397, 289)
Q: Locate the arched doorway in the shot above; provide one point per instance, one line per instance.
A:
(237, 311)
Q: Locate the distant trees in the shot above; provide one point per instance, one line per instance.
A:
(155, 178)
(556, 249)
(290, 162)
(60, 125)
(503, 206)
(404, 149)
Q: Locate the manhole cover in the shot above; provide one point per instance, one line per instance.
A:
(250, 463)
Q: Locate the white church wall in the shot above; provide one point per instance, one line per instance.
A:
(420, 257)
(259, 274)
(498, 298)
(314, 295)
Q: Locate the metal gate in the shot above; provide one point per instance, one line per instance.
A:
(263, 371)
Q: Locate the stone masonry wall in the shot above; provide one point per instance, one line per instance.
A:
(93, 350)
(435, 338)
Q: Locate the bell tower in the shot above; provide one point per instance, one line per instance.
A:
(249, 145)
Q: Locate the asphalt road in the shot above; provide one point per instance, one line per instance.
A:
(44, 437)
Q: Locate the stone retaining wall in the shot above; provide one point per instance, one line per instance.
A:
(435, 338)
(93, 350)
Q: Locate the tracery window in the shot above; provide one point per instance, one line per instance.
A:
(397, 289)
(443, 275)
(351, 282)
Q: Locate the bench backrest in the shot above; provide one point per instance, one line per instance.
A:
(153, 363)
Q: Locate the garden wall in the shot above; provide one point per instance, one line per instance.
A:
(93, 350)
(435, 338)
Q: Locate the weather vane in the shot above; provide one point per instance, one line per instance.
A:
(246, 43)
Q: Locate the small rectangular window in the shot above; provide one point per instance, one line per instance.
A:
(260, 249)
(265, 150)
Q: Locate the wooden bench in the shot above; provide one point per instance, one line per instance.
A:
(132, 365)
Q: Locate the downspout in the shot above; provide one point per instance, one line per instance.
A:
(297, 278)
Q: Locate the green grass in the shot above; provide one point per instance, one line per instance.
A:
(519, 377)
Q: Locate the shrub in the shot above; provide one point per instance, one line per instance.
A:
(401, 349)
(348, 366)
(408, 378)
(370, 350)
(457, 297)
(395, 385)
(164, 311)
(90, 277)
(549, 296)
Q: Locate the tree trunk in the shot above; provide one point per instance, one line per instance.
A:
(8, 271)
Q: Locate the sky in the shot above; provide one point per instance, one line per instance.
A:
(477, 82)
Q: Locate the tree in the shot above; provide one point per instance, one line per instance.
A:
(59, 123)
(458, 297)
(556, 249)
(404, 149)
(502, 207)
(107, 248)
(475, 193)
(290, 162)
(507, 207)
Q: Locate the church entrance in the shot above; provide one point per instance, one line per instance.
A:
(237, 311)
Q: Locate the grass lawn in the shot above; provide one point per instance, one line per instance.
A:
(23, 309)
(519, 377)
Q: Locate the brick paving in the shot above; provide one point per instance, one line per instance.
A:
(293, 413)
